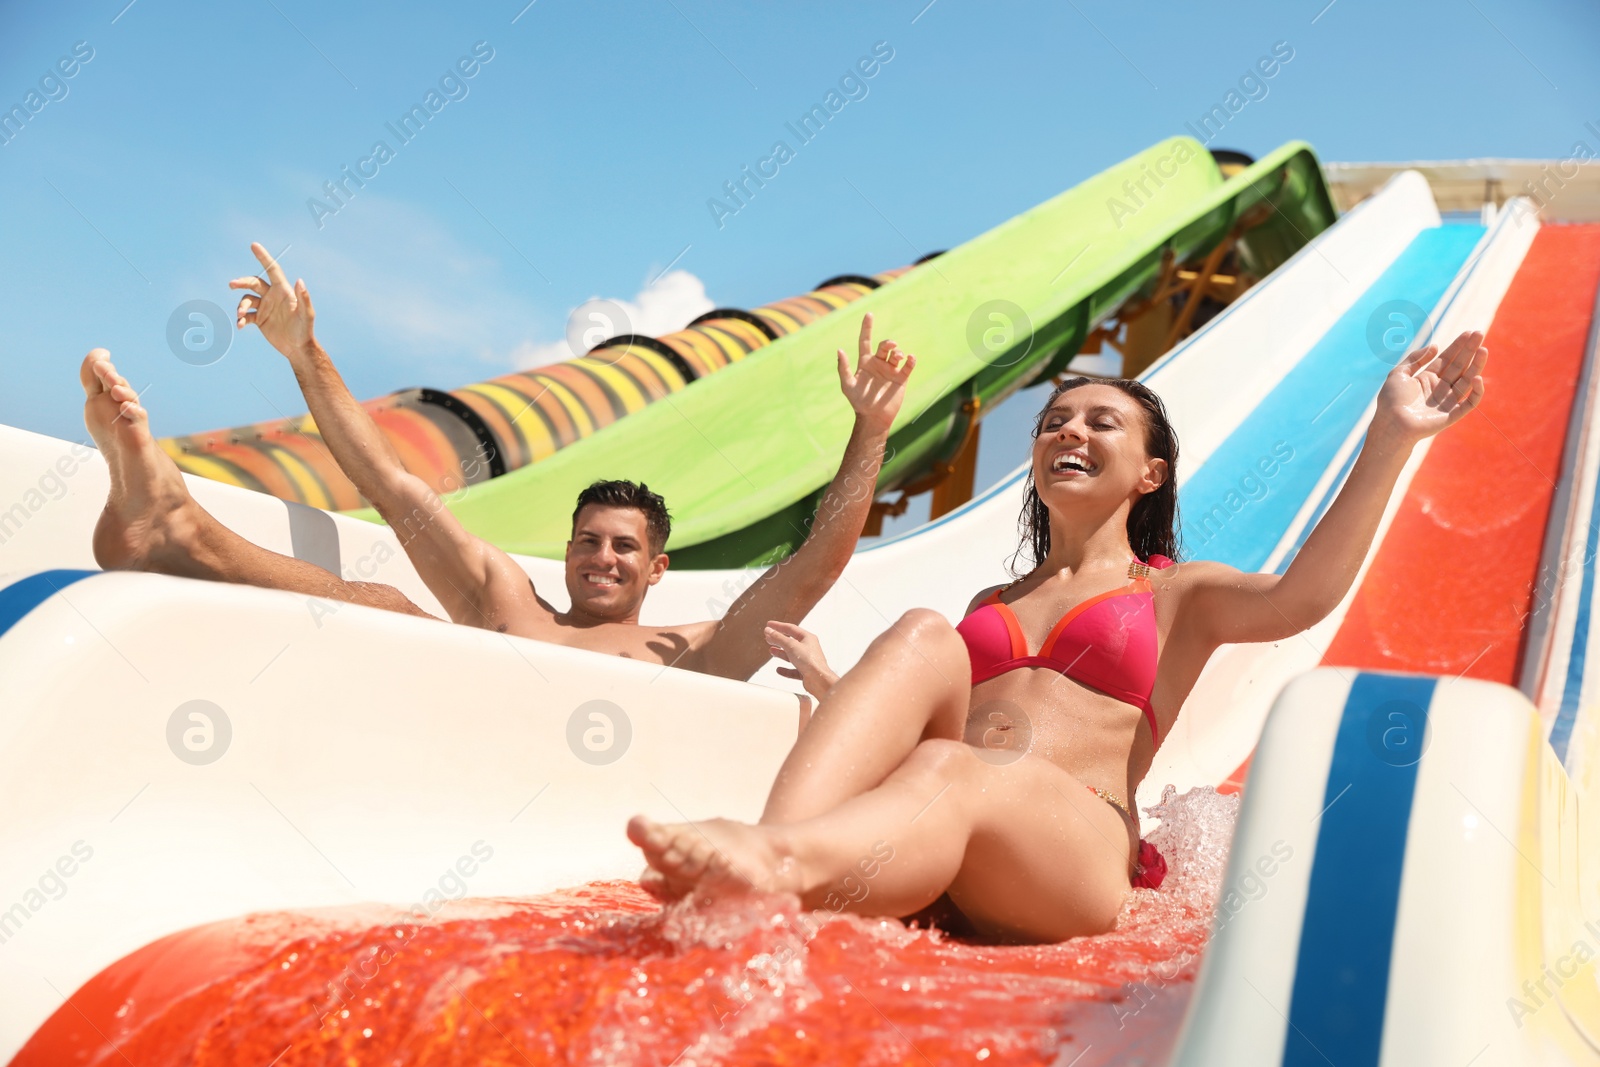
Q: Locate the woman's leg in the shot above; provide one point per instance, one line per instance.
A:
(912, 684)
(1023, 849)
(151, 523)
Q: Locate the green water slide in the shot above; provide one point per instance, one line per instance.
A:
(742, 456)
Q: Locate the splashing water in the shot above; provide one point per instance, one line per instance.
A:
(603, 975)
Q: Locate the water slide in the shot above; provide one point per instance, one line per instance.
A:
(1432, 769)
(737, 420)
(202, 814)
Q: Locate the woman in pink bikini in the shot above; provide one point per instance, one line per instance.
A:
(996, 761)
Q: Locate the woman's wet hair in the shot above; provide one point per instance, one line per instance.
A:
(1153, 522)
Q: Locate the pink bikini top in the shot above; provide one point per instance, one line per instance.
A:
(1108, 642)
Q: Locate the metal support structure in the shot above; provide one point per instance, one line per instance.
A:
(951, 480)
(1146, 327)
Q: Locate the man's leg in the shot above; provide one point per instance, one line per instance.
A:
(151, 523)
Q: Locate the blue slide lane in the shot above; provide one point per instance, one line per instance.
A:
(1239, 504)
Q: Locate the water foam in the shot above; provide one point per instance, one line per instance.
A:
(601, 974)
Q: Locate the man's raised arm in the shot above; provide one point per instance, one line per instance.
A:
(787, 592)
(472, 579)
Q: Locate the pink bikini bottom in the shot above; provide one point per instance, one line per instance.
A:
(1151, 869)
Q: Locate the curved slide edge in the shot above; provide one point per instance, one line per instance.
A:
(422, 743)
(1404, 887)
(1560, 669)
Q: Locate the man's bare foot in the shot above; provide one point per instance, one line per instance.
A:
(148, 507)
(720, 857)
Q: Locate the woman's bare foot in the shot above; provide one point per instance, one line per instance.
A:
(721, 857)
(149, 508)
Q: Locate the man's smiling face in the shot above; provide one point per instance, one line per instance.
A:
(611, 563)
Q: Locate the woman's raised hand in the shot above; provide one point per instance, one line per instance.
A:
(801, 648)
(1431, 390)
(878, 385)
(281, 311)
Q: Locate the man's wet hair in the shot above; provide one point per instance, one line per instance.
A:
(637, 495)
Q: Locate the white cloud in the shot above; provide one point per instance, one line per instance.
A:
(413, 285)
(664, 305)
(393, 282)
(397, 287)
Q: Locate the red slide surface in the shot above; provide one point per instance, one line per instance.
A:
(1453, 581)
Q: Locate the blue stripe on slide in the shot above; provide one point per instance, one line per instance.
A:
(1236, 512)
(1341, 980)
(1322, 505)
(1572, 691)
(21, 597)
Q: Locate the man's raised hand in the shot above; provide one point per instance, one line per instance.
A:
(878, 385)
(282, 312)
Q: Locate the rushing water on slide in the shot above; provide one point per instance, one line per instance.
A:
(603, 975)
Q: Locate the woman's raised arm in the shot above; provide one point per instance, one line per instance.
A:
(1429, 391)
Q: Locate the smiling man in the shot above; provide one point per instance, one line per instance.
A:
(619, 529)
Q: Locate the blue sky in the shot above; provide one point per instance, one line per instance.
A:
(578, 161)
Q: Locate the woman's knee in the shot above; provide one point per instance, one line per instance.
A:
(927, 633)
(923, 621)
